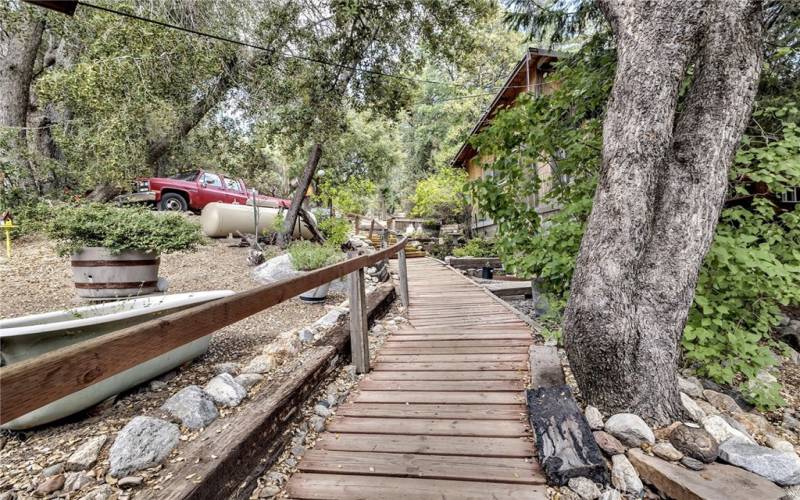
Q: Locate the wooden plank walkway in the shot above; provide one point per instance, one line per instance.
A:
(442, 413)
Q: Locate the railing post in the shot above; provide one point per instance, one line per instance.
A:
(359, 337)
(401, 264)
(356, 224)
(371, 228)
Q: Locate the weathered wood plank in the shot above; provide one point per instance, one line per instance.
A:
(474, 366)
(508, 470)
(499, 398)
(428, 445)
(449, 375)
(356, 487)
(429, 427)
(463, 335)
(442, 385)
(449, 358)
(565, 444)
(391, 343)
(456, 411)
(391, 349)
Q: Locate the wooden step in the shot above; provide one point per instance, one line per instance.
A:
(357, 487)
(508, 470)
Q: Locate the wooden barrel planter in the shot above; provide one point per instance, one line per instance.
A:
(99, 274)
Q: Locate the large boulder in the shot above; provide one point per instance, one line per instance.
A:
(143, 443)
(192, 406)
(780, 467)
(630, 429)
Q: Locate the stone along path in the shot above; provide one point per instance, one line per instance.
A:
(442, 414)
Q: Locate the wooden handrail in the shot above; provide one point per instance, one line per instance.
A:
(31, 384)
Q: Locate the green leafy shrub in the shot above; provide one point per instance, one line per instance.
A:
(477, 247)
(30, 218)
(335, 230)
(121, 229)
(308, 256)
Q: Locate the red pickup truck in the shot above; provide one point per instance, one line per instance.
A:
(193, 190)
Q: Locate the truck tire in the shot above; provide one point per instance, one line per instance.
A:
(173, 202)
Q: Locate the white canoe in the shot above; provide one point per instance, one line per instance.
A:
(30, 336)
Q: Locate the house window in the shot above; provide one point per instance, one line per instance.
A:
(791, 196)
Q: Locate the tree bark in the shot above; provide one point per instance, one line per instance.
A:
(299, 194)
(18, 49)
(659, 195)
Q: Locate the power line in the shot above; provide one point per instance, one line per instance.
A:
(283, 55)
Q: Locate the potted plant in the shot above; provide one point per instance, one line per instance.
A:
(307, 256)
(115, 251)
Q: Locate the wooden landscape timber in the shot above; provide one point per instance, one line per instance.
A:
(31, 384)
(250, 441)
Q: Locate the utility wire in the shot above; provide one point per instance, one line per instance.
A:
(292, 56)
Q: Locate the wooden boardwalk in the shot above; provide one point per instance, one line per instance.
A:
(442, 414)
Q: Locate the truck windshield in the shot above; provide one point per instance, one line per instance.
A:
(185, 176)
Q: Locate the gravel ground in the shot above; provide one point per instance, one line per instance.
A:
(37, 280)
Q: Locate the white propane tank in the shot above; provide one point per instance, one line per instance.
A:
(221, 219)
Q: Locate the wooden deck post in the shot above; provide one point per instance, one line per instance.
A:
(401, 264)
(359, 336)
(371, 228)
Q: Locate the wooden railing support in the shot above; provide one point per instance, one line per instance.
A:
(359, 336)
(401, 264)
(371, 228)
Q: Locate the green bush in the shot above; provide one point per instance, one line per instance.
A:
(308, 256)
(121, 229)
(477, 247)
(30, 218)
(335, 230)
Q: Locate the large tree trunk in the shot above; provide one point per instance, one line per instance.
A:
(18, 49)
(659, 196)
(299, 194)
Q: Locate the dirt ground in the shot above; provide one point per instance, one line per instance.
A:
(37, 280)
